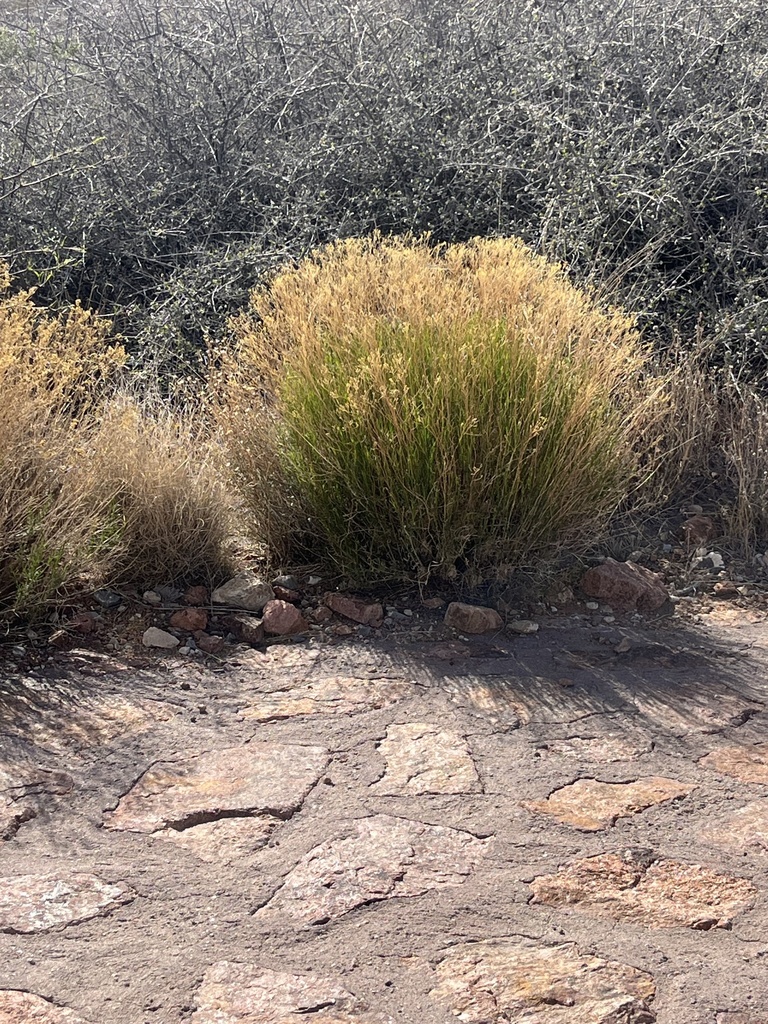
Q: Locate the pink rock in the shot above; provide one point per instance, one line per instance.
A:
(195, 595)
(368, 613)
(699, 530)
(209, 644)
(283, 594)
(472, 618)
(625, 586)
(83, 622)
(282, 619)
(321, 614)
(190, 619)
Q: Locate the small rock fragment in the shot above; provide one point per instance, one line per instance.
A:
(282, 594)
(367, 613)
(283, 619)
(209, 644)
(625, 586)
(423, 758)
(154, 637)
(286, 582)
(471, 618)
(152, 597)
(107, 598)
(433, 603)
(245, 628)
(245, 591)
(523, 627)
(195, 596)
(189, 619)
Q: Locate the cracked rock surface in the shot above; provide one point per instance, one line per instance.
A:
(406, 825)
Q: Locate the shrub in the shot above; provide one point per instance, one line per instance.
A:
(442, 410)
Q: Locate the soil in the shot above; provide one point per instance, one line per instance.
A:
(559, 828)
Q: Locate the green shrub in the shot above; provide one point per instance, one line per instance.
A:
(441, 411)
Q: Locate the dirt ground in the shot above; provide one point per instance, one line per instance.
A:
(563, 828)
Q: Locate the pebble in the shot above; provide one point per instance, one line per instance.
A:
(107, 598)
(523, 627)
(154, 637)
(151, 597)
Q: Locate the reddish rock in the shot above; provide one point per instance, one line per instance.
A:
(699, 530)
(283, 619)
(433, 603)
(625, 586)
(83, 623)
(209, 644)
(472, 618)
(189, 619)
(321, 614)
(41, 903)
(18, 1007)
(747, 763)
(368, 613)
(591, 805)
(195, 596)
(284, 594)
(245, 628)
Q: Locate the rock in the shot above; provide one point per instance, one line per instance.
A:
(433, 603)
(195, 596)
(472, 618)
(699, 530)
(152, 597)
(25, 1008)
(321, 614)
(743, 828)
(602, 749)
(520, 979)
(260, 778)
(245, 628)
(226, 841)
(168, 594)
(283, 594)
(154, 637)
(12, 816)
(367, 613)
(746, 763)
(625, 586)
(209, 644)
(41, 903)
(283, 619)
(286, 582)
(189, 619)
(342, 629)
(591, 805)
(373, 859)
(342, 695)
(635, 887)
(523, 627)
(726, 588)
(423, 758)
(83, 623)
(239, 993)
(245, 591)
(108, 599)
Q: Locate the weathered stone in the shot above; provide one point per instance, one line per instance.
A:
(601, 748)
(154, 637)
(83, 623)
(244, 591)
(321, 614)
(195, 596)
(433, 603)
(283, 619)
(747, 763)
(259, 778)
(523, 627)
(376, 858)
(691, 707)
(18, 784)
(742, 828)
(699, 530)
(152, 597)
(518, 979)
(189, 619)
(472, 618)
(591, 805)
(108, 599)
(245, 628)
(423, 758)
(333, 696)
(287, 582)
(225, 841)
(284, 594)
(368, 613)
(209, 644)
(25, 1008)
(634, 887)
(246, 993)
(625, 586)
(41, 903)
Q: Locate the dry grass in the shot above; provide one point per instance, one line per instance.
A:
(439, 410)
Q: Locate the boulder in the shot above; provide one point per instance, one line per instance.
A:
(625, 586)
(472, 618)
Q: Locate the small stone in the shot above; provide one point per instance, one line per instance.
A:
(591, 805)
(25, 1008)
(287, 583)
(209, 644)
(471, 618)
(107, 598)
(245, 591)
(592, 606)
(154, 637)
(623, 646)
(635, 887)
(367, 613)
(746, 763)
(698, 530)
(282, 594)
(152, 597)
(423, 758)
(321, 614)
(433, 603)
(726, 588)
(189, 619)
(41, 903)
(519, 979)
(244, 628)
(373, 859)
(342, 629)
(283, 619)
(627, 587)
(314, 580)
(523, 627)
(195, 596)
(84, 623)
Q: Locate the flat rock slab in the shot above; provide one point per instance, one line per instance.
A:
(747, 764)
(237, 992)
(257, 778)
(743, 828)
(19, 786)
(376, 858)
(225, 841)
(337, 695)
(693, 707)
(26, 1008)
(591, 805)
(631, 887)
(601, 749)
(518, 979)
(423, 758)
(41, 903)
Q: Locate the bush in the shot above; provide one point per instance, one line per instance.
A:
(442, 410)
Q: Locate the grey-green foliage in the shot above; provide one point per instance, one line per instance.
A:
(157, 158)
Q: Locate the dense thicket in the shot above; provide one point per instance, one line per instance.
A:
(157, 159)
